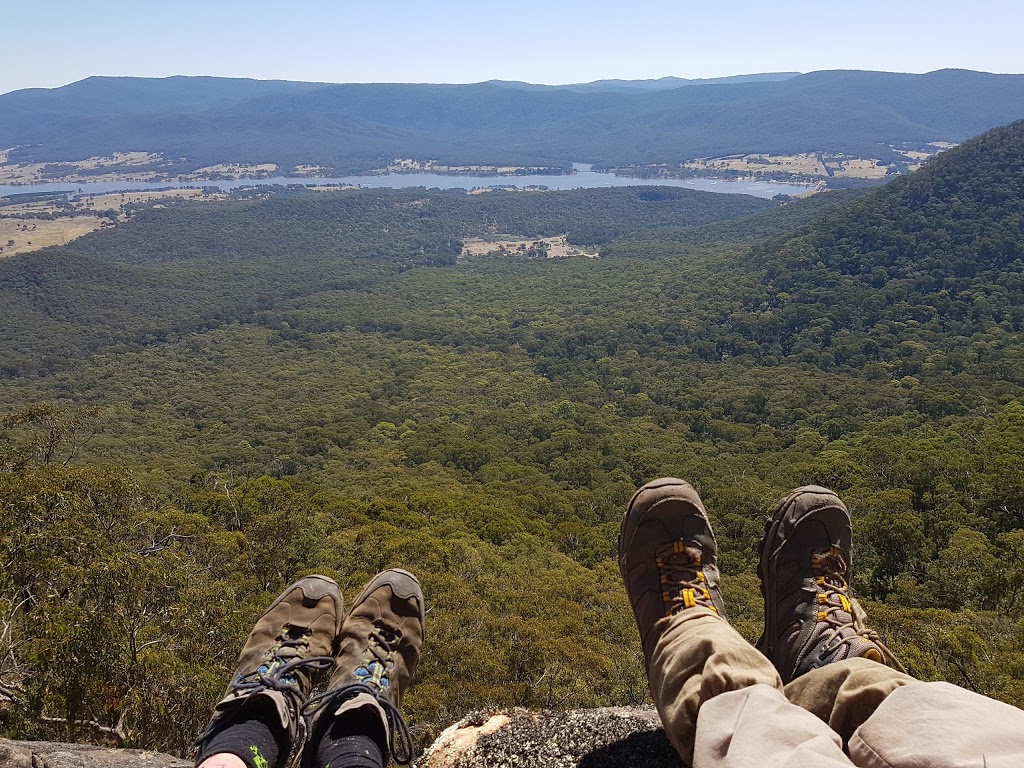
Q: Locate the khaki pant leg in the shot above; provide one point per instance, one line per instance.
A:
(938, 725)
(846, 693)
(758, 727)
(698, 656)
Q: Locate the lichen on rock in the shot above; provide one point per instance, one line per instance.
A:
(612, 737)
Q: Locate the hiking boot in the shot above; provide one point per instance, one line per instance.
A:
(378, 652)
(288, 651)
(810, 617)
(667, 556)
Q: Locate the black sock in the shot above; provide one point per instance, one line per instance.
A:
(259, 740)
(349, 752)
(355, 740)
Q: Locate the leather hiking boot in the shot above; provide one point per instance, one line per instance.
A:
(667, 556)
(288, 651)
(378, 652)
(810, 617)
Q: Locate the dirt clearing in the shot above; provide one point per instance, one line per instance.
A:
(538, 247)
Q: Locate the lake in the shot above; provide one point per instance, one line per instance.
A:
(584, 178)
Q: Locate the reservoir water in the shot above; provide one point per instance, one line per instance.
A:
(584, 178)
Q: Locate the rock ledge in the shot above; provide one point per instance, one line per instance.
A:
(52, 754)
(613, 737)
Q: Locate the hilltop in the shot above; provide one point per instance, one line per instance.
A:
(933, 257)
(658, 84)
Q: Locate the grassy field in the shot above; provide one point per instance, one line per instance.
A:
(805, 164)
(121, 165)
(135, 166)
(230, 170)
(121, 199)
(309, 170)
(19, 234)
(119, 159)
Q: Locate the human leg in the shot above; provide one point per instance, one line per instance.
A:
(888, 719)
(758, 726)
(716, 695)
(258, 723)
(939, 725)
(817, 637)
(223, 760)
(356, 722)
(846, 693)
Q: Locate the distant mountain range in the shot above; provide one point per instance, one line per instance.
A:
(660, 84)
(197, 121)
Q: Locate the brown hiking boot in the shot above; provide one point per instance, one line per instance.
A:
(667, 556)
(289, 649)
(810, 617)
(379, 649)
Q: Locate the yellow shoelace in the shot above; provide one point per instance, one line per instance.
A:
(834, 598)
(682, 580)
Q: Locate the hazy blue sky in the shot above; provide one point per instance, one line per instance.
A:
(542, 41)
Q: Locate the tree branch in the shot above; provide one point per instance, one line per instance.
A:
(116, 731)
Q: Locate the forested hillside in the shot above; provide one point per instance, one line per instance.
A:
(196, 122)
(926, 273)
(206, 402)
(178, 269)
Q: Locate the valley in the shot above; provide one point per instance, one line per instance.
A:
(211, 398)
(340, 288)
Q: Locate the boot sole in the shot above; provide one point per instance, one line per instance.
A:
(331, 590)
(687, 494)
(383, 578)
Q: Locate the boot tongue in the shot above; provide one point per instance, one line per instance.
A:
(682, 554)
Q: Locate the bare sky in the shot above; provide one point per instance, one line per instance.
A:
(47, 44)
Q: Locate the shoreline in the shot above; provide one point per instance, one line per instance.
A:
(582, 179)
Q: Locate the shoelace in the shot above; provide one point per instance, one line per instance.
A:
(683, 582)
(278, 677)
(381, 648)
(281, 678)
(832, 566)
(401, 741)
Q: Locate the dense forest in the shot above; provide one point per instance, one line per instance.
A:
(210, 400)
(197, 122)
